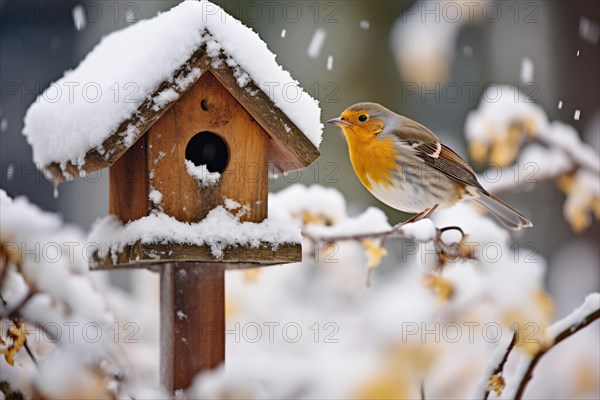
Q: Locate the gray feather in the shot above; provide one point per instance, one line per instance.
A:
(508, 216)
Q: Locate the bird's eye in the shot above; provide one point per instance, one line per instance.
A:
(363, 118)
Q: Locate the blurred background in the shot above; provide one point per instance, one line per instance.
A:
(430, 61)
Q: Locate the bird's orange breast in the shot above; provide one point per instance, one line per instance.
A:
(374, 160)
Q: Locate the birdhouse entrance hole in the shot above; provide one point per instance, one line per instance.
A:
(208, 148)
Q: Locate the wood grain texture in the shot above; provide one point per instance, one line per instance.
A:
(245, 179)
(289, 149)
(115, 146)
(192, 329)
(128, 186)
(141, 255)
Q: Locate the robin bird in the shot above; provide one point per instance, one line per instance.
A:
(407, 167)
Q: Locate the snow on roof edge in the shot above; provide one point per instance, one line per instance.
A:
(78, 112)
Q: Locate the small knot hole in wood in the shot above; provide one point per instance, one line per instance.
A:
(208, 148)
(203, 105)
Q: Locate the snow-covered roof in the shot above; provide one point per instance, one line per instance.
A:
(142, 70)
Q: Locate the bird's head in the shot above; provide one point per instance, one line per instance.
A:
(363, 121)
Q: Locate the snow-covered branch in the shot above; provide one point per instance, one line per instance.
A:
(421, 231)
(580, 318)
(497, 131)
(44, 287)
(566, 139)
(492, 379)
(557, 151)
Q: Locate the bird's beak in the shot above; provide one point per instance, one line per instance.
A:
(338, 122)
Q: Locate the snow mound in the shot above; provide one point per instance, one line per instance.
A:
(218, 230)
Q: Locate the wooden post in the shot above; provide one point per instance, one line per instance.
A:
(192, 312)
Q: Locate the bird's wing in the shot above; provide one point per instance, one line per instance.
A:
(427, 147)
(440, 157)
(411, 131)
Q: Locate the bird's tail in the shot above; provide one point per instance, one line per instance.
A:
(508, 216)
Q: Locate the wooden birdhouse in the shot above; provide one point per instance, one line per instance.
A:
(215, 144)
(193, 116)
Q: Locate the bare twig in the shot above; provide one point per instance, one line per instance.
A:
(15, 317)
(500, 367)
(49, 335)
(14, 313)
(26, 345)
(569, 331)
(445, 251)
(395, 233)
(3, 266)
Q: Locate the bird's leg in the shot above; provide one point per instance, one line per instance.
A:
(416, 217)
(426, 213)
(431, 211)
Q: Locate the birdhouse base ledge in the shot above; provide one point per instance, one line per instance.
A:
(152, 255)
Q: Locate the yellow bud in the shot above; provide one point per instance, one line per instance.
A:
(513, 135)
(585, 378)
(504, 152)
(496, 384)
(530, 127)
(251, 275)
(579, 220)
(478, 151)
(374, 252)
(9, 254)
(17, 334)
(566, 183)
(316, 219)
(231, 308)
(439, 285)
